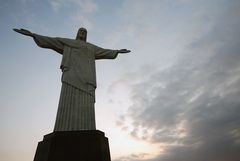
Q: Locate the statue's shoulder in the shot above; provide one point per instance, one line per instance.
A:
(91, 45)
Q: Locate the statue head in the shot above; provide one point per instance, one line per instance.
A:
(82, 34)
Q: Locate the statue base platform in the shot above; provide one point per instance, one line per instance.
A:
(89, 145)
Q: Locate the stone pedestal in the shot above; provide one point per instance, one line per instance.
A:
(89, 145)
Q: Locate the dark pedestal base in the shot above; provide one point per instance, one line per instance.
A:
(90, 145)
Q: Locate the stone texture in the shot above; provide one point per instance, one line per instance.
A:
(89, 145)
(75, 110)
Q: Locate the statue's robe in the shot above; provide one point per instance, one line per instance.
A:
(76, 104)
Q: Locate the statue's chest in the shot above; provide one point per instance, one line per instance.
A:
(82, 53)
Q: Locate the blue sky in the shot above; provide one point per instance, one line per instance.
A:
(174, 97)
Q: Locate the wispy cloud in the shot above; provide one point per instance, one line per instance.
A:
(26, 1)
(88, 6)
(82, 21)
(80, 10)
(56, 4)
(85, 6)
(132, 157)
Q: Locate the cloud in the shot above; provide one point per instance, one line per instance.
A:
(80, 10)
(132, 157)
(82, 21)
(157, 32)
(193, 107)
(26, 1)
(56, 4)
(86, 6)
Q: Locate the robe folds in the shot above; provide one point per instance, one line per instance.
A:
(76, 104)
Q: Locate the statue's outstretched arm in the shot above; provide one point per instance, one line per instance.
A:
(123, 51)
(24, 32)
(101, 53)
(44, 41)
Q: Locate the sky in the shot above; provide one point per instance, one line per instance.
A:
(174, 97)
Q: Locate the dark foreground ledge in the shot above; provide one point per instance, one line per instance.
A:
(89, 145)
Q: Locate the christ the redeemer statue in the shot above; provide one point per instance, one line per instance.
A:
(76, 104)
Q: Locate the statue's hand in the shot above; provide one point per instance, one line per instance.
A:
(24, 32)
(124, 51)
